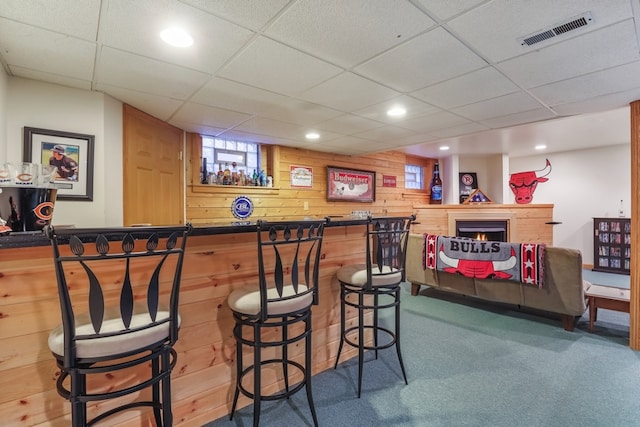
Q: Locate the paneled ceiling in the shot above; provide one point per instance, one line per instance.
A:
(272, 70)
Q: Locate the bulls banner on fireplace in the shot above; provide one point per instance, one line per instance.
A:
(482, 259)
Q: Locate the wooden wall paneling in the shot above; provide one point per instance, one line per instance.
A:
(211, 204)
(527, 224)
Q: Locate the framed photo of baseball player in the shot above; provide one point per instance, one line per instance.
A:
(71, 154)
(351, 185)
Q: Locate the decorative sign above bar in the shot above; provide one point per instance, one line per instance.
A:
(388, 181)
(351, 185)
(242, 207)
(301, 176)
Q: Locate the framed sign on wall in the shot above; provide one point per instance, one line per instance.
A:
(71, 153)
(352, 185)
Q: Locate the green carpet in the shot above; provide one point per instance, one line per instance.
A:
(471, 363)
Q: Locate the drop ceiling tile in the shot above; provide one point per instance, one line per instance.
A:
(234, 96)
(473, 87)
(333, 29)
(405, 141)
(519, 118)
(249, 13)
(278, 129)
(351, 145)
(51, 78)
(158, 106)
(459, 130)
(413, 106)
(72, 17)
(147, 75)
(385, 133)
(42, 50)
(431, 122)
(508, 104)
(199, 129)
(267, 64)
(493, 29)
(236, 135)
(599, 104)
(437, 54)
(299, 112)
(445, 9)
(348, 124)
(348, 92)
(210, 116)
(135, 27)
(616, 45)
(592, 85)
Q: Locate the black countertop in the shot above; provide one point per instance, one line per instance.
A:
(37, 238)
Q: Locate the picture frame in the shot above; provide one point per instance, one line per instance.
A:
(72, 152)
(352, 185)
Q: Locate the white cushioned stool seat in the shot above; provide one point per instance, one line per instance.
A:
(356, 274)
(116, 344)
(247, 300)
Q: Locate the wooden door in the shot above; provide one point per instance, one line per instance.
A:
(153, 170)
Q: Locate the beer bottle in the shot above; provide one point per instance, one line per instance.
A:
(220, 176)
(436, 186)
(226, 178)
(203, 172)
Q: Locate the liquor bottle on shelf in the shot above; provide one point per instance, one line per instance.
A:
(436, 186)
(220, 176)
(226, 179)
(203, 172)
(234, 174)
(256, 179)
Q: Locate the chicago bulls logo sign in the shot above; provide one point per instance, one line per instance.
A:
(523, 184)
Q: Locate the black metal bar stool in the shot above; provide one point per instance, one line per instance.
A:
(276, 312)
(375, 286)
(104, 334)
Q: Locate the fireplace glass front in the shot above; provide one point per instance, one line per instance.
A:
(492, 230)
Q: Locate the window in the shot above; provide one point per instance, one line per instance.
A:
(414, 177)
(222, 153)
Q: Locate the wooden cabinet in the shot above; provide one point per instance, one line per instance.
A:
(612, 245)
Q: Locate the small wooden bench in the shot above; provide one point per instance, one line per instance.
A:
(607, 297)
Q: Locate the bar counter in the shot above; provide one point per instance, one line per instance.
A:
(218, 259)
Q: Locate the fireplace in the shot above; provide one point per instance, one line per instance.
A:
(492, 230)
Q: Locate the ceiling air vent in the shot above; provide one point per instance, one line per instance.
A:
(558, 29)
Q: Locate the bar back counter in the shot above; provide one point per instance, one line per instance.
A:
(218, 259)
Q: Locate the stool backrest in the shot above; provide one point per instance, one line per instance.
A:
(387, 240)
(115, 273)
(289, 254)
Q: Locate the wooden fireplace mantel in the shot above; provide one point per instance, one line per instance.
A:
(526, 223)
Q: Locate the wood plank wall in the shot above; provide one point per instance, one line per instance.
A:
(211, 204)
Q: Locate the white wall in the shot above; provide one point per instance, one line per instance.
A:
(42, 105)
(582, 185)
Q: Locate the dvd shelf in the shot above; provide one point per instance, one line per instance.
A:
(612, 245)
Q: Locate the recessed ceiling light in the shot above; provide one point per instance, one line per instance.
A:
(312, 135)
(176, 37)
(396, 111)
(540, 147)
(444, 148)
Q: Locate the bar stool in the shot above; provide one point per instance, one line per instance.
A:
(104, 335)
(267, 314)
(375, 286)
